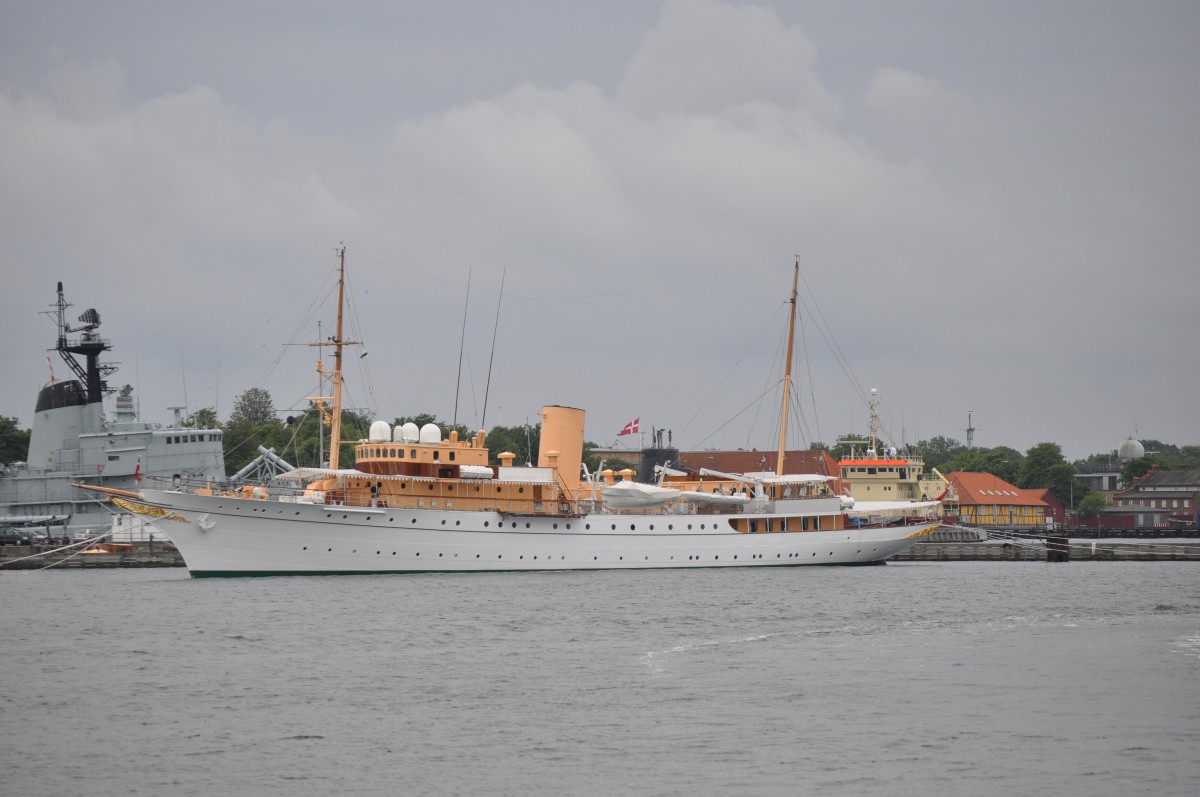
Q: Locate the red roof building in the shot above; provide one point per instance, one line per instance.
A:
(818, 462)
(986, 500)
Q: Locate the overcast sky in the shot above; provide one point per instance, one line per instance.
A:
(996, 208)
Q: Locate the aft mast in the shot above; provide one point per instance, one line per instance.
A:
(787, 374)
(334, 413)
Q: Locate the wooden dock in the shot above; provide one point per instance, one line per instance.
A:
(158, 556)
(1033, 551)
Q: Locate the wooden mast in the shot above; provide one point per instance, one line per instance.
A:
(787, 374)
(335, 426)
(333, 412)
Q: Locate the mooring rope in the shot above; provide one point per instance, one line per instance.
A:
(89, 541)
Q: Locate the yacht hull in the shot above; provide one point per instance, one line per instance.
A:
(222, 536)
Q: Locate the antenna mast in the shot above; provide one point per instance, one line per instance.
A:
(334, 413)
(787, 373)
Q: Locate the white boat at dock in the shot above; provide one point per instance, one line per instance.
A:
(415, 502)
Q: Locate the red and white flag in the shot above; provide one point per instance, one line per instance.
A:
(630, 428)
(137, 472)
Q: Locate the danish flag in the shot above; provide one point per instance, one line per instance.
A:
(630, 428)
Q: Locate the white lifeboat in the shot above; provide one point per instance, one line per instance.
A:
(633, 495)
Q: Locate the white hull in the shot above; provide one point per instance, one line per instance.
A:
(222, 536)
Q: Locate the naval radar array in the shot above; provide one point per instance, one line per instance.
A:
(89, 344)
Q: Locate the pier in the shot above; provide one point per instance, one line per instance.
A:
(39, 557)
(1036, 551)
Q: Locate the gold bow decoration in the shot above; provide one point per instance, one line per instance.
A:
(147, 510)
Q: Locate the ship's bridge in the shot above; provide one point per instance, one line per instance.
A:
(408, 451)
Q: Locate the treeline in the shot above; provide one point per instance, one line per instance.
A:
(300, 438)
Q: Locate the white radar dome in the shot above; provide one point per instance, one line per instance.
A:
(1131, 449)
(431, 434)
(381, 432)
(407, 433)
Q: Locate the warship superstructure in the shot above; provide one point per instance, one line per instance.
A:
(74, 441)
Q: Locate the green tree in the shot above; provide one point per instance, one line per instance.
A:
(1189, 456)
(1035, 470)
(203, 419)
(14, 441)
(1093, 504)
(1004, 462)
(1135, 469)
(252, 423)
(937, 451)
(520, 440)
(1060, 479)
(254, 407)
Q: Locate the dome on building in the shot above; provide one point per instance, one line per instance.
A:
(1131, 449)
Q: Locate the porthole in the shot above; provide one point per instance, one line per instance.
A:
(614, 527)
(305, 548)
(526, 525)
(418, 553)
(652, 527)
(443, 522)
(632, 527)
(476, 556)
(587, 525)
(330, 550)
(458, 522)
(377, 553)
(555, 525)
(485, 524)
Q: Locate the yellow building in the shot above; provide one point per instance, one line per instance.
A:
(981, 499)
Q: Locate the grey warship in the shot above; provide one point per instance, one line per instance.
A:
(73, 441)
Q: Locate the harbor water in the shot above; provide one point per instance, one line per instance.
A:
(929, 678)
